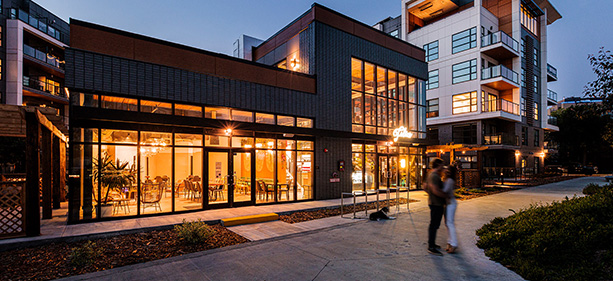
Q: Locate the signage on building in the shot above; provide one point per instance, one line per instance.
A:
(401, 132)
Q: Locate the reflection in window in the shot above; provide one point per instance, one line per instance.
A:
(155, 107)
(305, 145)
(304, 122)
(87, 100)
(155, 138)
(265, 118)
(119, 103)
(217, 113)
(188, 139)
(285, 120)
(242, 116)
(188, 110)
(119, 136)
(243, 142)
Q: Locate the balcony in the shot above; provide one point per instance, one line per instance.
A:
(500, 78)
(552, 73)
(552, 97)
(501, 139)
(39, 24)
(42, 86)
(499, 46)
(43, 57)
(552, 124)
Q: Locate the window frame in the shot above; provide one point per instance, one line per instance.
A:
(457, 44)
(429, 48)
(456, 71)
(430, 82)
(472, 103)
(430, 105)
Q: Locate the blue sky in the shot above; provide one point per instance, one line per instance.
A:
(214, 25)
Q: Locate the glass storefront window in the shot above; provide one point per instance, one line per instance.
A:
(305, 145)
(381, 85)
(356, 101)
(371, 130)
(265, 118)
(370, 110)
(119, 103)
(412, 90)
(369, 77)
(369, 178)
(402, 86)
(218, 177)
(357, 173)
(155, 173)
(357, 128)
(242, 176)
(188, 140)
(265, 175)
(155, 138)
(217, 113)
(304, 177)
(116, 173)
(242, 142)
(286, 144)
(188, 110)
(119, 136)
(357, 147)
(391, 84)
(304, 122)
(84, 135)
(242, 116)
(370, 148)
(264, 143)
(188, 185)
(216, 141)
(155, 107)
(285, 120)
(356, 75)
(87, 100)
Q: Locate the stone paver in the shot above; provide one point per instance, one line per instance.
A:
(364, 250)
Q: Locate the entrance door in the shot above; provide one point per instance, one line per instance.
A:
(229, 178)
(383, 172)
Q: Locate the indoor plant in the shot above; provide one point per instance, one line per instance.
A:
(113, 176)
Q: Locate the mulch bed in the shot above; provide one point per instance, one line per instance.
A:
(348, 209)
(52, 261)
(533, 181)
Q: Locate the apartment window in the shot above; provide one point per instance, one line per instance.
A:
(536, 138)
(536, 57)
(465, 134)
(523, 48)
(536, 165)
(528, 20)
(465, 103)
(523, 78)
(536, 84)
(432, 82)
(524, 136)
(432, 134)
(394, 33)
(431, 51)
(536, 111)
(432, 108)
(464, 40)
(0, 69)
(522, 106)
(0, 26)
(464, 71)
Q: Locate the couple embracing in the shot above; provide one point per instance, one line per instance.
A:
(441, 200)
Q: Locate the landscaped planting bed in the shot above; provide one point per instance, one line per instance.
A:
(568, 240)
(53, 261)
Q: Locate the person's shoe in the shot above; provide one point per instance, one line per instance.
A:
(437, 247)
(451, 249)
(434, 251)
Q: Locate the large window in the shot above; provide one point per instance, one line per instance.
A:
(464, 71)
(385, 100)
(537, 139)
(432, 108)
(464, 40)
(536, 57)
(536, 111)
(528, 20)
(432, 82)
(522, 106)
(524, 136)
(465, 103)
(431, 51)
(465, 134)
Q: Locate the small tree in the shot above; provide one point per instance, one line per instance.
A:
(602, 87)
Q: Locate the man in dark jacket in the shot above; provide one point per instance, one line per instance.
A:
(436, 202)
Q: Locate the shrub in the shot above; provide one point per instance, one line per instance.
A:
(593, 188)
(85, 254)
(568, 240)
(194, 232)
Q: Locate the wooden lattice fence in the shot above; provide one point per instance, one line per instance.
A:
(469, 178)
(12, 209)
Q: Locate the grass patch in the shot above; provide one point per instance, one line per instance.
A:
(568, 240)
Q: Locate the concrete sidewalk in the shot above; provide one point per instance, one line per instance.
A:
(363, 250)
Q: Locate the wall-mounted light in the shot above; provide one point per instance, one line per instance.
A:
(517, 154)
(294, 63)
(228, 132)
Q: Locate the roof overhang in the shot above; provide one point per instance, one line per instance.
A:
(429, 9)
(552, 14)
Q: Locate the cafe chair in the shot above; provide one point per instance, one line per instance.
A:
(151, 196)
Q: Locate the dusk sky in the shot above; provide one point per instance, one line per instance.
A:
(214, 25)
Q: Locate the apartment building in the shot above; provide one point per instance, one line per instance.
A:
(32, 44)
(487, 92)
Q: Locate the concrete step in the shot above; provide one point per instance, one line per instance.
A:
(249, 219)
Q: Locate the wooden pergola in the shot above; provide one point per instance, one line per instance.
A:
(45, 162)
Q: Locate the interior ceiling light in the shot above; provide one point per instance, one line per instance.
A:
(425, 6)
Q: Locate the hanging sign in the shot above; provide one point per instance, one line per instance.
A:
(401, 132)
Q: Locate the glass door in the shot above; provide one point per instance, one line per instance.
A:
(218, 171)
(383, 172)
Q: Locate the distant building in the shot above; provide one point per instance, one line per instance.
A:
(572, 101)
(243, 46)
(32, 56)
(390, 26)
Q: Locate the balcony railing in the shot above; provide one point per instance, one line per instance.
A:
(501, 139)
(552, 71)
(41, 83)
(42, 56)
(551, 95)
(498, 37)
(500, 105)
(499, 70)
(552, 120)
(39, 24)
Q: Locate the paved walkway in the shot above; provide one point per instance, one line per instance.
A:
(361, 250)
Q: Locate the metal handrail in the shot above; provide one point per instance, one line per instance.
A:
(499, 70)
(498, 37)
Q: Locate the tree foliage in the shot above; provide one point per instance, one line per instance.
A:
(602, 87)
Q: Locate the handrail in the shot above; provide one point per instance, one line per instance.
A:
(38, 24)
(552, 71)
(552, 95)
(501, 139)
(45, 85)
(498, 37)
(499, 70)
(42, 56)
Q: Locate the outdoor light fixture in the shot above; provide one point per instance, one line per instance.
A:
(228, 132)
(294, 63)
(517, 154)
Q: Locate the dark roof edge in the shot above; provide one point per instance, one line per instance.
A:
(176, 45)
(338, 14)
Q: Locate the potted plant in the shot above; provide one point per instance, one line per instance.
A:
(113, 177)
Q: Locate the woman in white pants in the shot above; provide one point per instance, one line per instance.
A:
(449, 188)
